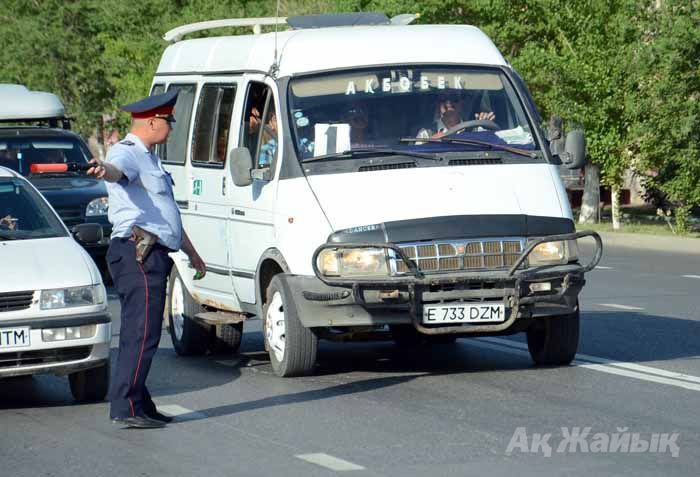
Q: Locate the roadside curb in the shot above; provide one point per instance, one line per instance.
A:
(660, 243)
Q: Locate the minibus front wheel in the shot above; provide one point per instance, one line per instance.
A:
(291, 346)
(553, 340)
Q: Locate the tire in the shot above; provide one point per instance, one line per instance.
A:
(226, 339)
(90, 384)
(189, 337)
(406, 336)
(553, 341)
(291, 346)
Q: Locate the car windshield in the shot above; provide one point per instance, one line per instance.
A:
(20, 153)
(24, 214)
(414, 109)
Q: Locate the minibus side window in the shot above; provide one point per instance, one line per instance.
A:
(259, 129)
(175, 150)
(212, 125)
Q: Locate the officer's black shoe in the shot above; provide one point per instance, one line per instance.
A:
(138, 422)
(160, 417)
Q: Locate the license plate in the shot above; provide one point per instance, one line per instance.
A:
(14, 337)
(464, 313)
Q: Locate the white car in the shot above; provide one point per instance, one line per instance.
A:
(53, 305)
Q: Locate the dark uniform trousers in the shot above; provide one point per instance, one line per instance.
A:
(141, 289)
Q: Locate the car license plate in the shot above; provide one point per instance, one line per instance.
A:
(464, 313)
(14, 337)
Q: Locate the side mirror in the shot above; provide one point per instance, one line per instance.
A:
(574, 154)
(240, 164)
(88, 233)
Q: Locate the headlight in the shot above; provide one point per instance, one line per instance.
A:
(98, 206)
(70, 297)
(354, 262)
(554, 253)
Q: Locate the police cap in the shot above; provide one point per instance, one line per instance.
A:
(157, 106)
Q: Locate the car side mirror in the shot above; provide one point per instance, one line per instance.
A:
(88, 233)
(574, 154)
(240, 165)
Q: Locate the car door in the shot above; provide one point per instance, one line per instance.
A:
(209, 188)
(251, 219)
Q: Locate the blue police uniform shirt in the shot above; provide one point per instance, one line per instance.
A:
(144, 196)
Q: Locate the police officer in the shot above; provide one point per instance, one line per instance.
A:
(141, 207)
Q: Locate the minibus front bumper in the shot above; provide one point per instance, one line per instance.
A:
(338, 302)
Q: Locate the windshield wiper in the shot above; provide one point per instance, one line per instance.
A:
(472, 142)
(355, 153)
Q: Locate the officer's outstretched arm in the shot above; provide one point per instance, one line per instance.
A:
(105, 170)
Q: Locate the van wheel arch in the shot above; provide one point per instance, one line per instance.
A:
(271, 263)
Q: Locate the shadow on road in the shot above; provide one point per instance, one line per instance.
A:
(300, 397)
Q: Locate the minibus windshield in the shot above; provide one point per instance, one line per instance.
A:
(419, 109)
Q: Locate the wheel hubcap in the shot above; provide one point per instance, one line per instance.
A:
(274, 326)
(177, 308)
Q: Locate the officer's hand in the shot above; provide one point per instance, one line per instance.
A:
(98, 170)
(198, 264)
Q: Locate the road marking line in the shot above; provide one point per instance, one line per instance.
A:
(183, 412)
(330, 462)
(600, 267)
(621, 307)
(691, 276)
(620, 368)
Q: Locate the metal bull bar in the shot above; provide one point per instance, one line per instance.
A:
(415, 279)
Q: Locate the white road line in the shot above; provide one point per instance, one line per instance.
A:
(330, 462)
(691, 276)
(621, 307)
(175, 410)
(600, 267)
(620, 368)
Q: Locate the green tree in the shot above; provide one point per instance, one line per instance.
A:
(665, 111)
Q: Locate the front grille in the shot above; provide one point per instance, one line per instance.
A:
(12, 301)
(71, 215)
(49, 356)
(455, 255)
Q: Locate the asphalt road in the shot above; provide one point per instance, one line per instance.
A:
(474, 408)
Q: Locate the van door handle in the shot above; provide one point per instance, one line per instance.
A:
(237, 212)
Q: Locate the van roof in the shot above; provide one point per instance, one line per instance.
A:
(322, 49)
(19, 103)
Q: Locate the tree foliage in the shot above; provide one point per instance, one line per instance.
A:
(623, 70)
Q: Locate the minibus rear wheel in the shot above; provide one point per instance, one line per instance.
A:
(291, 346)
(188, 336)
(553, 340)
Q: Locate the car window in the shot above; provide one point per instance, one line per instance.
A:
(213, 124)
(175, 150)
(259, 128)
(19, 153)
(24, 214)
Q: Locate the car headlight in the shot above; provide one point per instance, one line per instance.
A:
(70, 297)
(353, 262)
(99, 206)
(554, 253)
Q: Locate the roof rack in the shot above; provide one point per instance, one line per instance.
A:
(176, 34)
(297, 22)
